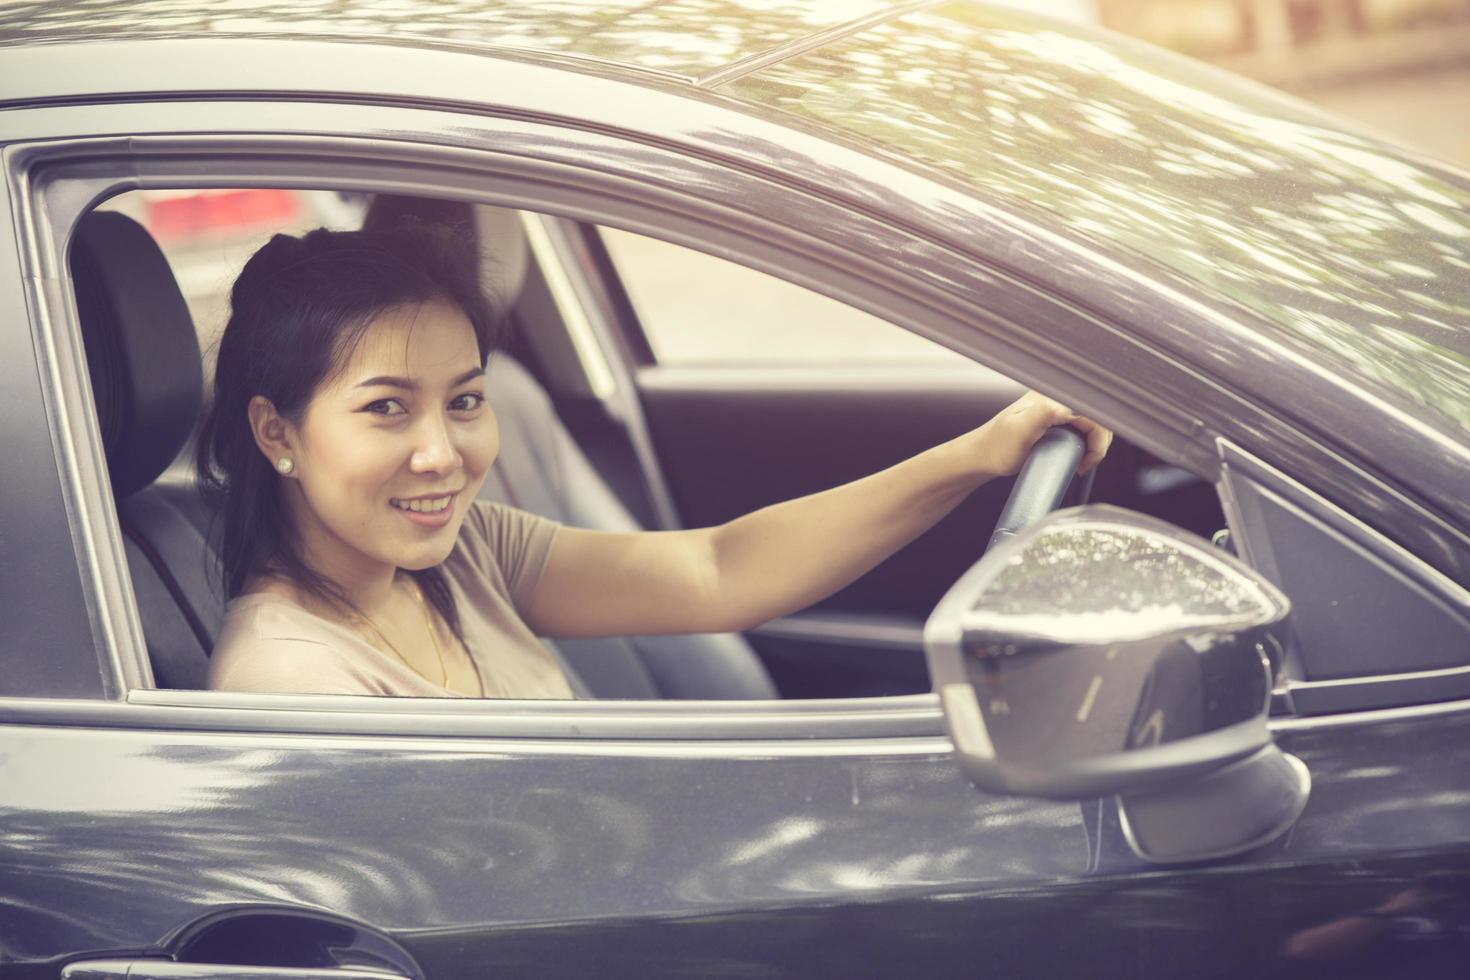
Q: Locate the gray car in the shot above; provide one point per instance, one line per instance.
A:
(1109, 747)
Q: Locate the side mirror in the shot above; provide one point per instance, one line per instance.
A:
(1101, 652)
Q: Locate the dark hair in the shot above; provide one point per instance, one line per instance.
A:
(298, 311)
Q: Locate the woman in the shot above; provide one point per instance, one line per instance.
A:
(347, 441)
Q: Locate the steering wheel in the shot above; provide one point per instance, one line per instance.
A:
(1043, 481)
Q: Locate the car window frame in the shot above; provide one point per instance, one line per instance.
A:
(46, 634)
(1244, 476)
(204, 161)
(64, 184)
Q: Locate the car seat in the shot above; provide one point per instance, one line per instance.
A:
(144, 361)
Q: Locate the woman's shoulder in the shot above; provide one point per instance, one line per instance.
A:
(270, 645)
(491, 522)
(504, 543)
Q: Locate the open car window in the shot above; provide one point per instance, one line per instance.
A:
(205, 237)
(865, 642)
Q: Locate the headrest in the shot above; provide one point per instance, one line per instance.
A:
(495, 232)
(504, 254)
(142, 352)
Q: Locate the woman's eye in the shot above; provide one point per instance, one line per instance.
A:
(467, 402)
(386, 406)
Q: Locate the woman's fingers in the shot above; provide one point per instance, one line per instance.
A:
(1028, 418)
(1099, 439)
(1046, 412)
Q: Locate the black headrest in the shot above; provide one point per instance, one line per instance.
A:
(142, 352)
(496, 233)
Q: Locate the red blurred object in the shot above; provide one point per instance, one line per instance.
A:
(208, 213)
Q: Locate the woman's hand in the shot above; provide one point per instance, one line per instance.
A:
(1002, 444)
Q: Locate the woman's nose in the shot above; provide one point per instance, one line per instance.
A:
(435, 452)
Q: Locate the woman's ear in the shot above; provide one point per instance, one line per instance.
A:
(273, 435)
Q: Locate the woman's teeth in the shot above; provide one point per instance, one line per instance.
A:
(423, 506)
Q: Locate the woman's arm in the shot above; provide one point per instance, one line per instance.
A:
(784, 557)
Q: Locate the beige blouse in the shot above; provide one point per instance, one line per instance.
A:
(270, 644)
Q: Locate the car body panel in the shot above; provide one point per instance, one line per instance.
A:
(653, 840)
(482, 853)
(46, 645)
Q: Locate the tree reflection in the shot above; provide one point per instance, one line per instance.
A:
(1358, 253)
(687, 37)
(146, 837)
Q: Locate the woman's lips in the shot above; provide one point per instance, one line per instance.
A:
(427, 518)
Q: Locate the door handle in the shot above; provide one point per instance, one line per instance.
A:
(146, 969)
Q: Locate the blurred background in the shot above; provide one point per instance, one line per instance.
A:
(1399, 66)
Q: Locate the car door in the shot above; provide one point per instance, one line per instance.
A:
(785, 839)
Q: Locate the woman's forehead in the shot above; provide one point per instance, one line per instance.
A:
(421, 341)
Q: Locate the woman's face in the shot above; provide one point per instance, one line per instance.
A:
(389, 453)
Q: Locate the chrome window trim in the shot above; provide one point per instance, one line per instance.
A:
(1374, 716)
(908, 725)
(70, 166)
(1345, 695)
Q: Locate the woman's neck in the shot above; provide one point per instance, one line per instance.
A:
(368, 585)
(367, 599)
(370, 590)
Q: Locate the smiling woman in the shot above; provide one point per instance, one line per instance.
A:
(349, 435)
(343, 459)
(348, 442)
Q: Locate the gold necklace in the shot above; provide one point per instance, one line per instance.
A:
(439, 652)
(443, 668)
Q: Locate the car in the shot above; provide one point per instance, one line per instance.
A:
(1269, 307)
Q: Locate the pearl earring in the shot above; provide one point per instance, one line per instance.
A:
(284, 465)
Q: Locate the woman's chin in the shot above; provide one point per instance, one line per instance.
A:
(422, 558)
(427, 554)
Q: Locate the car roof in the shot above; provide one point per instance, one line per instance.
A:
(1351, 251)
(681, 38)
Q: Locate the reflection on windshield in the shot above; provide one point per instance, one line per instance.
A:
(1357, 253)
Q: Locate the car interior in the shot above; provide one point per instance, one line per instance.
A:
(567, 455)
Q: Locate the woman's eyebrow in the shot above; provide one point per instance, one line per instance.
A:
(470, 375)
(408, 384)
